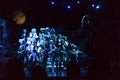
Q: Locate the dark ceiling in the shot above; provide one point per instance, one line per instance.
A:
(42, 11)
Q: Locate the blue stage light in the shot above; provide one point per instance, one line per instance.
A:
(68, 6)
(78, 2)
(98, 7)
(93, 5)
(52, 3)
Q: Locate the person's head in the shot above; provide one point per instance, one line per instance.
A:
(14, 70)
(51, 42)
(53, 31)
(24, 30)
(42, 30)
(85, 19)
(47, 29)
(30, 34)
(86, 25)
(33, 30)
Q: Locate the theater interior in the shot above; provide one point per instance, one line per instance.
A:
(59, 40)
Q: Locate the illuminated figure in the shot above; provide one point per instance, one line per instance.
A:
(85, 20)
(34, 33)
(34, 56)
(41, 38)
(47, 32)
(87, 29)
(24, 34)
(52, 48)
(30, 43)
(40, 51)
(3, 31)
(53, 35)
(22, 39)
(23, 54)
(64, 48)
(31, 39)
(22, 47)
(49, 47)
(86, 26)
(51, 53)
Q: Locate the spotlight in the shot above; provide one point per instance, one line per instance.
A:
(97, 7)
(52, 3)
(68, 6)
(78, 2)
(93, 5)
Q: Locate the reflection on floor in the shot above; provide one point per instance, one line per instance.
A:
(61, 72)
(58, 70)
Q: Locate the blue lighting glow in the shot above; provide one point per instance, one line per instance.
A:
(68, 6)
(97, 7)
(93, 5)
(52, 3)
(78, 2)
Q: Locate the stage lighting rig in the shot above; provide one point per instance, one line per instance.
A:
(96, 6)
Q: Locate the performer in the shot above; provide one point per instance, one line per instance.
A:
(34, 56)
(22, 47)
(47, 33)
(34, 33)
(85, 20)
(64, 48)
(24, 33)
(86, 31)
(3, 32)
(41, 40)
(30, 48)
(22, 39)
(30, 45)
(22, 54)
(51, 53)
(40, 51)
(30, 39)
(53, 35)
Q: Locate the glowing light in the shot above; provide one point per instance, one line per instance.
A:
(68, 6)
(78, 2)
(52, 3)
(97, 7)
(93, 5)
(19, 17)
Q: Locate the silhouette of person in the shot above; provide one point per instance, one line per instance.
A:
(14, 70)
(73, 69)
(39, 73)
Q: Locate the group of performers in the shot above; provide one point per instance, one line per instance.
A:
(45, 45)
